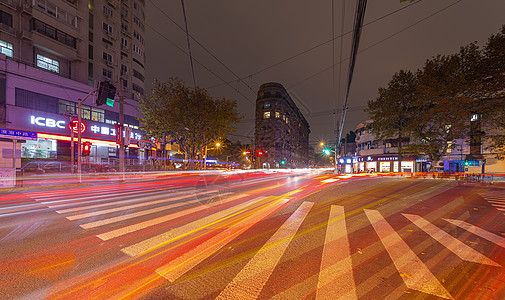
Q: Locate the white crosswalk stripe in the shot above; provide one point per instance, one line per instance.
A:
(454, 245)
(416, 274)
(496, 199)
(250, 281)
(336, 276)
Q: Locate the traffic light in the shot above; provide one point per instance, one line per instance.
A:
(86, 148)
(106, 93)
(467, 163)
(260, 153)
(326, 151)
(283, 162)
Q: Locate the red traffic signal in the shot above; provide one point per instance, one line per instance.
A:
(86, 148)
(260, 153)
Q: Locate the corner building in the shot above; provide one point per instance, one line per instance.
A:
(281, 131)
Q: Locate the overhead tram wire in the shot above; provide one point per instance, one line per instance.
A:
(316, 46)
(358, 26)
(202, 46)
(377, 43)
(201, 64)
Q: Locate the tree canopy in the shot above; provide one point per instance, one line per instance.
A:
(434, 105)
(191, 117)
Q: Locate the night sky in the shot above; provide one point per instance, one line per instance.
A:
(251, 36)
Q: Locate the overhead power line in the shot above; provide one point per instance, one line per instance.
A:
(189, 46)
(202, 46)
(358, 27)
(201, 64)
(316, 46)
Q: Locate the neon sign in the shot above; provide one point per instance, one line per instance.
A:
(46, 122)
(73, 126)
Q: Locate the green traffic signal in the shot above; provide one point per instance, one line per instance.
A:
(326, 151)
(283, 162)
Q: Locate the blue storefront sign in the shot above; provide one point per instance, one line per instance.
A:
(17, 134)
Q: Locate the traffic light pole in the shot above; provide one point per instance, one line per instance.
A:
(121, 122)
(79, 148)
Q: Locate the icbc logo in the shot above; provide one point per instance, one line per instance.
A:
(73, 126)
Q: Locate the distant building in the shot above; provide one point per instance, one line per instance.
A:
(282, 133)
(464, 156)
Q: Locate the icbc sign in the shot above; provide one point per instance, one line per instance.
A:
(73, 126)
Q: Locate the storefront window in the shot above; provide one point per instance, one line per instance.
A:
(41, 148)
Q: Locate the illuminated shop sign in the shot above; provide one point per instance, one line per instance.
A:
(387, 158)
(74, 124)
(95, 129)
(46, 122)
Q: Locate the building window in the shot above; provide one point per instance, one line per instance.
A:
(53, 33)
(138, 50)
(107, 27)
(138, 37)
(124, 69)
(266, 115)
(66, 107)
(138, 23)
(137, 89)
(107, 73)
(97, 114)
(5, 18)
(124, 26)
(266, 105)
(107, 11)
(53, 10)
(107, 57)
(48, 64)
(36, 101)
(6, 48)
(277, 115)
(124, 42)
(138, 75)
(90, 70)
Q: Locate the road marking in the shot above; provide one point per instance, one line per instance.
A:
(457, 247)
(180, 232)
(182, 264)
(418, 276)
(252, 278)
(142, 225)
(111, 210)
(336, 277)
(498, 240)
(137, 214)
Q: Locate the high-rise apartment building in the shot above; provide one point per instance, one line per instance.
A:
(83, 40)
(282, 133)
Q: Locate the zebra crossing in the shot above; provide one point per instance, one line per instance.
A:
(495, 198)
(335, 279)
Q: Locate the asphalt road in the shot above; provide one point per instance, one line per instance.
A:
(300, 235)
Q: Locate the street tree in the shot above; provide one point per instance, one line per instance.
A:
(493, 104)
(191, 117)
(391, 112)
